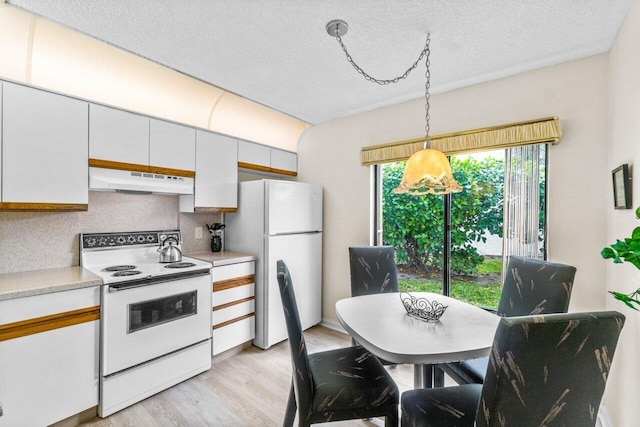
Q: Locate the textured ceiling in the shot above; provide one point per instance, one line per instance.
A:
(277, 52)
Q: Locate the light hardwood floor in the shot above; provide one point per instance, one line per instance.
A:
(247, 389)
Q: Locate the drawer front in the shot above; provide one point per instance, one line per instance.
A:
(232, 312)
(233, 294)
(231, 271)
(233, 334)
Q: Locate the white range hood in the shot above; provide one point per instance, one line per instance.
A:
(138, 182)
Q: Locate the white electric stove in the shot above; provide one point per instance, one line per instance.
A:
(155, 317)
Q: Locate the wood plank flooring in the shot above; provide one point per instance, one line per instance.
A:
(247, 389)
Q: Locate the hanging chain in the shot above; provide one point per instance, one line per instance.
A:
(427, 97)
(424, 52)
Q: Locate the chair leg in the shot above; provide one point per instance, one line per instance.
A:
(290, 414)
(391, 419)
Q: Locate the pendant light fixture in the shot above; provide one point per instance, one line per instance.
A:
(427, 171)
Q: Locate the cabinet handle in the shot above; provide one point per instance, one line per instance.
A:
(229, 322)
(47, 323)
(233, 283)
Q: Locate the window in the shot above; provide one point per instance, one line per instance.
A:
(500, 212)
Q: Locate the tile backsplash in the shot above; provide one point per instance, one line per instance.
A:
(39, 240)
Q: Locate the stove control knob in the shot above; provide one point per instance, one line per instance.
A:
(141, 238)
(150, 238)
(91, 241)
(131, 239)
(121, 239)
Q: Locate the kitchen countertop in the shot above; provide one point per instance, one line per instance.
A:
(222, 258)
(38, 282)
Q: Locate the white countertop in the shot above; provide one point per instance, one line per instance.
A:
(38, 282)
(222, 258)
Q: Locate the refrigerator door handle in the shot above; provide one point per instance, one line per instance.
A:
(297, 233)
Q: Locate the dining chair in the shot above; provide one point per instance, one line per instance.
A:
(373, 270)
(544, 370)
(531, 286)
(342, 384)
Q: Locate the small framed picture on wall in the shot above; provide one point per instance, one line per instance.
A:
(621, 187)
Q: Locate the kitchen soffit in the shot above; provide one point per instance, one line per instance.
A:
(277, 52)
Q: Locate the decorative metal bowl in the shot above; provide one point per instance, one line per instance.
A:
(422, 308)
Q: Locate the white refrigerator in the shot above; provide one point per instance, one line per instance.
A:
(280, 220)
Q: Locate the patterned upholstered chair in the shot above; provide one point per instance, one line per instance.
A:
(547, 370)
(530, 287)
(373, 270)
(342, 384)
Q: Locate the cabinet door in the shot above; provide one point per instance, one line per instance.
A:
(283, 161)
(118, 136)
(254, 154)
(0, 142)
(171, 146)
(49, 375)
(216, 182)
(44, 147)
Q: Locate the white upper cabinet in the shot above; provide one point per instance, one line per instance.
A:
(118, 136)
(44, 150)
(172, 146)
(266, 159)
(216, 181)
(283, 161)
(250, 153)
(0, 143)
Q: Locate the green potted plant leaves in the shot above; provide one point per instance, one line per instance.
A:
(627, 250)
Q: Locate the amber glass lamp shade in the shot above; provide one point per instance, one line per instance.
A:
(428, 172)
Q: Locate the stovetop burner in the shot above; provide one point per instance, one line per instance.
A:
(134, 256)
(180, 265)
(126, 273)
(120, 268)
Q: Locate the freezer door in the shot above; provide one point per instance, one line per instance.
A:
(303, 255)
(292, 207)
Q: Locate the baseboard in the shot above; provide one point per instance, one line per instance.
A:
(333, 325)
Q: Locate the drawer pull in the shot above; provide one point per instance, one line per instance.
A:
(232, 303)
(237, 319)
(47, 323)
(233, 283)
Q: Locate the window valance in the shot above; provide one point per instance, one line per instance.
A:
(540, 131)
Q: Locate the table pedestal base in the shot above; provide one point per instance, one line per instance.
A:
(427, 376)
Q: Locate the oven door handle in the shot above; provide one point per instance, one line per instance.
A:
(150, 280)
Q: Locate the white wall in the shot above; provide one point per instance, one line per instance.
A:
(623, 143)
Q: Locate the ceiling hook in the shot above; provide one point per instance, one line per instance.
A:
(337, 27)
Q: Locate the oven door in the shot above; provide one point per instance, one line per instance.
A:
(146, 322)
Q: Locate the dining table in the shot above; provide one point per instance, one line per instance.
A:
(380, 323)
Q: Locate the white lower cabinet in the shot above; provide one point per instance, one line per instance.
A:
(49, 356)
(233, 301)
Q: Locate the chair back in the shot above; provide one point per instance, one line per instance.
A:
(302, 379)
(373, 270)
(549, 370)
(534, 286)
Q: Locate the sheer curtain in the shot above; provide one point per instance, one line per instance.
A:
(522, 217)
